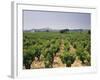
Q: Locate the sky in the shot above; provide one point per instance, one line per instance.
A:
(55, 20)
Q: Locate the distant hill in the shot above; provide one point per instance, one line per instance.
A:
(54, 30)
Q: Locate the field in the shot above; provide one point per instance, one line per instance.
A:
(56, 49)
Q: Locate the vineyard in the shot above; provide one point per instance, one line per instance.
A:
(56, 49)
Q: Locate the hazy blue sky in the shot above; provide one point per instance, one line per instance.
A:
(56, 20)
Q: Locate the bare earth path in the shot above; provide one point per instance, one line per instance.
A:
(37, 64)
(57, 60)
(77, 63)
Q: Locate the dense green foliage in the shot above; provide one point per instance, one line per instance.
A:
(68, 58)
(45, 45)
